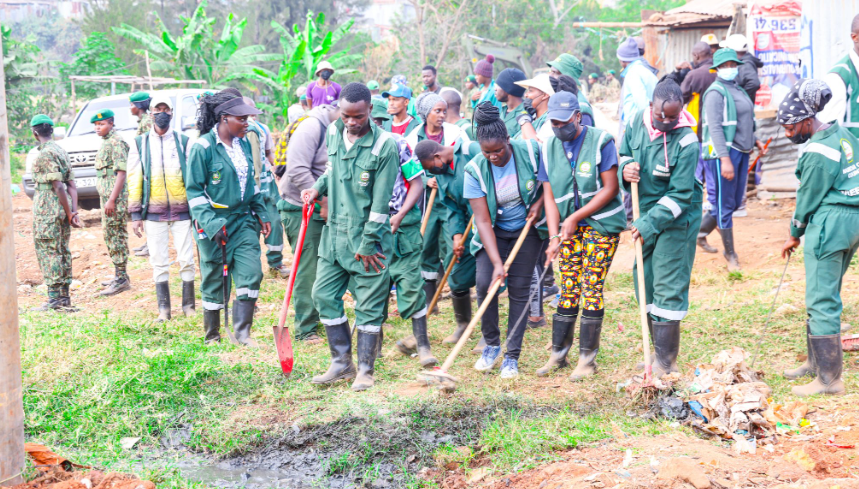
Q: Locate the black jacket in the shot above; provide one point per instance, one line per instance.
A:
(748, 74)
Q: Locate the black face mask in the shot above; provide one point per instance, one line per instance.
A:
(529, 106)
(162, 120)
(567, 132)
(437, 170)
(326, 74)
(665, 126)
(800, 137)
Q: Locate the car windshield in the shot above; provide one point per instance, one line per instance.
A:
(123, 120)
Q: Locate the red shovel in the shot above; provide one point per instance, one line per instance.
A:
(282, 340)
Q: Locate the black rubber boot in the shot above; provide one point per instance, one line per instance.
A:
(708, 224)
(563, 333)
(243, 320)
(730, 254)
(340, 346)
(430, 286)
(589, 345)
(212, 326)
(462, 314)
(367, 348)
(419, 329)
(189, 306)
(807, 368)
(666, 342)
(828, 358)
(162, 292)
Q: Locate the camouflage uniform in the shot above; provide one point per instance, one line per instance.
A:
(111, 158)
(144, 124)
(51, 227)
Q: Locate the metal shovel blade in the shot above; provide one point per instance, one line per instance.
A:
(283, 343)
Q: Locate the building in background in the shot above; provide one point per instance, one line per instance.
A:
(20, 10)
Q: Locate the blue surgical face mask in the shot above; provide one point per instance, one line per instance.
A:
(728, 74)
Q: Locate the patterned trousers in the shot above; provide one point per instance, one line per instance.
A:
(584, 263)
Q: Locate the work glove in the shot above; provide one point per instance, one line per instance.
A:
(220, 236)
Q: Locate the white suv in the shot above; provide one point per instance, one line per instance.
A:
(82, 143)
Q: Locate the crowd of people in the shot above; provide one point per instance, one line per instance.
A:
(527, 182)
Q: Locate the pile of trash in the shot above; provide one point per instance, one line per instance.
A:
(729, 400)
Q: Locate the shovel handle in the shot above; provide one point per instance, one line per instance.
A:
(430, 203)
(490, 294)
(450, 266)
(306, 214)
(642, 295)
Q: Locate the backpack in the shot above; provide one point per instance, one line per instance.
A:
(283, 143)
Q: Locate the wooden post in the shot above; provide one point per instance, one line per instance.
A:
(11, 403)
(149, 72)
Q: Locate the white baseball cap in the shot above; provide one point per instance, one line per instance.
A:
(737, 42)
(540, 82)
(160, 98)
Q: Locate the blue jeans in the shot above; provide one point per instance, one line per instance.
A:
(726, 196)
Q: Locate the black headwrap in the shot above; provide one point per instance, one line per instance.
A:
(805, 100)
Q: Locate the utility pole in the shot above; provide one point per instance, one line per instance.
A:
(11, 403)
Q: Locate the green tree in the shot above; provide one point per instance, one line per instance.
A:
(95, 57)
(197, 53)
(303, 50)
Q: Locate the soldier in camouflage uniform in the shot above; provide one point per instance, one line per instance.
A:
(110, 166)
(140, 109)
(53, 213)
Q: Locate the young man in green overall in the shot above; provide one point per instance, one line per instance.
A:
(356, 241)
(53, 212)
(408, 245)
(827, 214)
(659, 150)
(843, 81)
(110, 167)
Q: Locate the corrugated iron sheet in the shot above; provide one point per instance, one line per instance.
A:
(825, 34)
(675, 46)
(779, 164)
(708, 7)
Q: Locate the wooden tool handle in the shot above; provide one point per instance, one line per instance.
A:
(490, 294)
(642, 294)
(450, 267)
(430, 203)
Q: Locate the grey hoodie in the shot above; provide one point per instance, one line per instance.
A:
(306, 155)
(747, 77)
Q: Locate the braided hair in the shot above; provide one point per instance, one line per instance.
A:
(490, 127)
(206, 115)
(667, 91)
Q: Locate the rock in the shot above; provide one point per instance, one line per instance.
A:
(477, 475)
(672, 408)
(76, 284)
(684, 469)
(25, 288)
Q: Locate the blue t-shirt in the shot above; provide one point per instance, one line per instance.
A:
(511, 210)
(608, 160)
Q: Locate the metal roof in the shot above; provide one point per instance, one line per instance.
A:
(714, 8)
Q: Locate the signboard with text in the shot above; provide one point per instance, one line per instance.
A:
(775, 30)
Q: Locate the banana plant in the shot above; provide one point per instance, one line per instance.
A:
(303, 50)
(197, 53)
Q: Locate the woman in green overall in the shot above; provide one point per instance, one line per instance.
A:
(501, 187)
(580, 191)
(660, 151)
(227, 207)
(827, 214)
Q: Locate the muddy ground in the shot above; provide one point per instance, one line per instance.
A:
(434, 444)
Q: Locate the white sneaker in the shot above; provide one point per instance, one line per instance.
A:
(510, 369)
(489, 358)
(741, 212)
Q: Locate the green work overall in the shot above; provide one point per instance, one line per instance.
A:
(306, 316)
(359, 184)
(510, 119)
(450, 184)
(270, 194)
(408, 245)
(670, 201)
(827, 213)
(845, 69)
(215, 201)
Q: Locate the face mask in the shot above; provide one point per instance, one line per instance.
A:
(326, 74)
(567, 132)
(728, 74)
(529, 106)
(437, 170)
(162, 120)
(665, 126)
(800, 137)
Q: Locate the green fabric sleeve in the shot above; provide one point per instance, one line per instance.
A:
(383, 187)
(814, 181)
(195, 187)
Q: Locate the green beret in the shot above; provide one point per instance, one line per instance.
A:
(612, 72)
(41, 119)
(139, 97)
(101, 116)
(594, 76)
(380, 110)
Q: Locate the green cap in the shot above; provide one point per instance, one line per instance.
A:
(568, 65)
(103, 115)
(303, 97)
(612, 72)
(139, 97)
(724, 55)
(471, 78)
(373, 85)
(594, 76)
(380, 110)
(41, 119)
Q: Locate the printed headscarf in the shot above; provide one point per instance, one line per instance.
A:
(804, 101)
